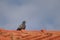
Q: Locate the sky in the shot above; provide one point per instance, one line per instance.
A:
(38, 14)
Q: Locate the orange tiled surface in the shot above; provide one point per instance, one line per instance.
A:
(29, 35)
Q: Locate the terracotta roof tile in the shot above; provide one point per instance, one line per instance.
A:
(29, 35)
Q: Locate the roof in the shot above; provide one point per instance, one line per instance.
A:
(29, 35)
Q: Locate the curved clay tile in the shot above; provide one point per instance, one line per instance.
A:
(29, 35)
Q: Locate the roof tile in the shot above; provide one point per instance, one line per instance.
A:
(29, 35)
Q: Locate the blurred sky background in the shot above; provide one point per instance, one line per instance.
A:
(39, 14)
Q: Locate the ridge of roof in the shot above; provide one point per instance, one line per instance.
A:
(29, 35)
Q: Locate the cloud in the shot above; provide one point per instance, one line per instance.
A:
(39, 14)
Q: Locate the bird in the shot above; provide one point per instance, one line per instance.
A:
(22, 26)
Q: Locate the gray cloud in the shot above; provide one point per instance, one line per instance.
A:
(39, 14)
